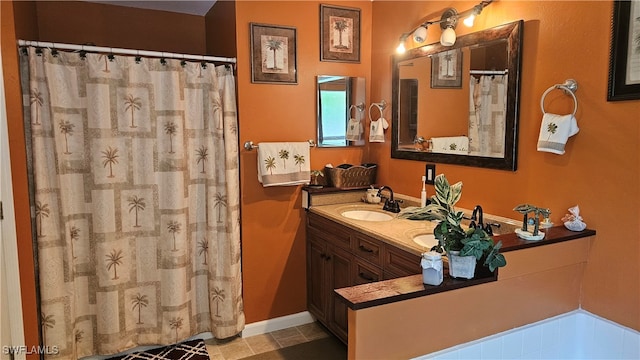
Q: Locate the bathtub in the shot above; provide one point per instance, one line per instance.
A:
(574, 335)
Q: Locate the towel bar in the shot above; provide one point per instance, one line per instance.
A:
(249, 145)
(569, 87)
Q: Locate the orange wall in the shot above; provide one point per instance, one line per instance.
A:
(599, 172)
(273, 234)
(18, 156)
(77, 22)
(220, 23)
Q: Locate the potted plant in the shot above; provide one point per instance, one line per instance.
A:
(473, 244)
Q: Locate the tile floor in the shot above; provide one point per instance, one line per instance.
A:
(239, 348)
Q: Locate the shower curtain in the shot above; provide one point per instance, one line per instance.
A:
(135, 176)
(487, 108)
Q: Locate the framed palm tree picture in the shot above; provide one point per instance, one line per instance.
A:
(624, 58)
(273, 54)
(446, 69)
(339, 33)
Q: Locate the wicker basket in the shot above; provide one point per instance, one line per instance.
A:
(353, 177)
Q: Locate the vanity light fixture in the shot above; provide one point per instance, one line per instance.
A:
(448, 22)
(474, 12)
(401, 49)
(420, 35)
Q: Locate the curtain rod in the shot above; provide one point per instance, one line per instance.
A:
(102, 49)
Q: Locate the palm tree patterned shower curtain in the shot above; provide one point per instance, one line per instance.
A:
(135, 174)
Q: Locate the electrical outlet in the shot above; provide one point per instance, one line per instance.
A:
(430, 173)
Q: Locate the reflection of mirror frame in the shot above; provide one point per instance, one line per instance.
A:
(513, 33)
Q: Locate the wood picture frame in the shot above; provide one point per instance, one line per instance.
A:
(339, 33)
(273, 54)
(624, 60)
(446, 69)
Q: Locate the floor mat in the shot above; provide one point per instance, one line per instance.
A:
(329, 348)
(188, 350)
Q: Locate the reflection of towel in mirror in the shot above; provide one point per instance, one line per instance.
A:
(285, 163)
(450, 145)
(376, 130)
(354, 130)
(555, 130)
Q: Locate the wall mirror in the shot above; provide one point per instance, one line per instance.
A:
(460, 104)
(340, 106)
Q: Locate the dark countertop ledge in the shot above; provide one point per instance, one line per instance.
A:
(389, 291)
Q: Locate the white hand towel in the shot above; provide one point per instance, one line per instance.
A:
(555, 130)
(282, 164)
(450, 145)
(354, 130)
(376, 130)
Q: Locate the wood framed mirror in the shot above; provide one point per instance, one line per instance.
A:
(460, 104)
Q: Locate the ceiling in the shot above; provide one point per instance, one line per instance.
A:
(200, 7)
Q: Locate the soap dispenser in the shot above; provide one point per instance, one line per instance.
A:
(423, 193)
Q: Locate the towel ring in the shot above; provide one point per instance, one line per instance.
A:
(380, 109)
(569, 87)
(351, 108)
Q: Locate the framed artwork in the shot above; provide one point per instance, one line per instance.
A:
(339, 34)
(446, 69)
(624, 60)
(273, 54)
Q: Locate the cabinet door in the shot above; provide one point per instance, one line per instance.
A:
(340, 264)
(317, 279)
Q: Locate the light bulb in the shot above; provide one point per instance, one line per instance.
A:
(469, 20)
(400, 49)
(448, 36)
(420, 35)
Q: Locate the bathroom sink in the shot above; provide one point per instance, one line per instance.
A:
(367, 215)
(426, 240)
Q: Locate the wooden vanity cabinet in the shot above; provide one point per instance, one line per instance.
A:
(339, 257)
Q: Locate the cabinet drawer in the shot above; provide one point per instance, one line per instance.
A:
(330, 231)
(365, 273)
(368, 249)
(400, 262)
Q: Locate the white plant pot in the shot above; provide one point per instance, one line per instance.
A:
(461, 266)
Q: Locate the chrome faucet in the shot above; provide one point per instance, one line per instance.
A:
(390, 204)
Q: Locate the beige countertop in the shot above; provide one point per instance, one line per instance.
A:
(399, 232)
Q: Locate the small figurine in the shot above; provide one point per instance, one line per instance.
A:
(574, 221)
(526, 209)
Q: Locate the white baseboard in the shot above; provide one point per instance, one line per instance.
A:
(279, 323)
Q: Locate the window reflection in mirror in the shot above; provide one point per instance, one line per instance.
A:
(340, 121)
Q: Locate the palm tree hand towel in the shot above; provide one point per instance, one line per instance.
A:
(283, 163)
(555, 130)
(450, 145)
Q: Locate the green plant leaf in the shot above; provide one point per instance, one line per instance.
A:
(495, 260)
(429, 212)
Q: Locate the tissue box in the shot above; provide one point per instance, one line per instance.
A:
(348, 176)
